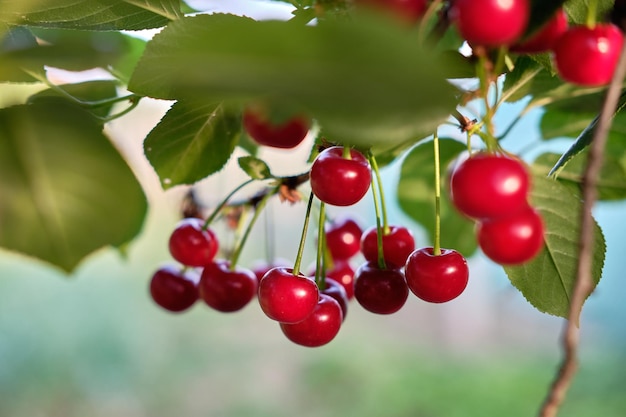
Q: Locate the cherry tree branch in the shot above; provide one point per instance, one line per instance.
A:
(583, 285)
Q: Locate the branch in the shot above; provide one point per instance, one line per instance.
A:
(583, 285)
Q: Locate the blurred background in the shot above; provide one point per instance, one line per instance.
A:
(94, 344)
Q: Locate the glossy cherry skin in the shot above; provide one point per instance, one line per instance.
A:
(225, 289)
(436, 279)
(512, 240)
(397, 245)
(338, 292)
(343, 238)
(410, 11)
(319, 328)
(380, 291)
(490, 23)
(192, 245)
(488, 186)
(546, 37)
(588, 56)
(286, 135)
(337, 180)
(174, 289)
(286, 297)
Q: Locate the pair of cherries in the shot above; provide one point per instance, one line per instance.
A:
(493, 190)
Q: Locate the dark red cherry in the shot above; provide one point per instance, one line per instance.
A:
(226, 289)
(338, 292)
(173, 288)
(436, 278)
(380, 291)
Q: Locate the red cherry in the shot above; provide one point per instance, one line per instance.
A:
(191, 244)
(286, 297)
(546, 37)
(512, 240)
(397, 245)
(380, 291)
(343, 238)
(337, 180)
(490, 23)
(319, 328)
(436, 279)
(174, 289)
(410, 11)
(338, 292)
(588, 56)
(487, 186)
(286, 135)
(226, 289)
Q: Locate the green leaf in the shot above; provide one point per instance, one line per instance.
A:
(548, 280)
(192, 141)
(64, 189)
(365, 81)
(256, 168)
(557, 123)
(89, 91)
(585, 138)
(416, 195)
(91, 14)
(577, 10)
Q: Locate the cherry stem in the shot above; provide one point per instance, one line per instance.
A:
(592, 10)
(298, 263)
(258, 208)
(320, 270)
(379, 182)
(379, 229)
(437, 239)
(430, 11)
(346, 152)
(219, 208)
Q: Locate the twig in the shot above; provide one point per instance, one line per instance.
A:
(584, 283)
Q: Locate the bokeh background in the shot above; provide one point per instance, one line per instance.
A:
(94, 344)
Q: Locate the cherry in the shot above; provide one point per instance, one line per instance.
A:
(343, 238)
(410, 11)
(490, 23)
(436, 278)
(512, 240)
(546, 37)
(174, 289)
(286, 297)
(398, 244)
(191, 244)
(337, 180)
(286, 135)
(588, 56)
(226, 289)
(488, 185)
(338, 292)
(320, 327)
(380, 291)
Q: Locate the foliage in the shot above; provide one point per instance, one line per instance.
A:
(366, 80)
